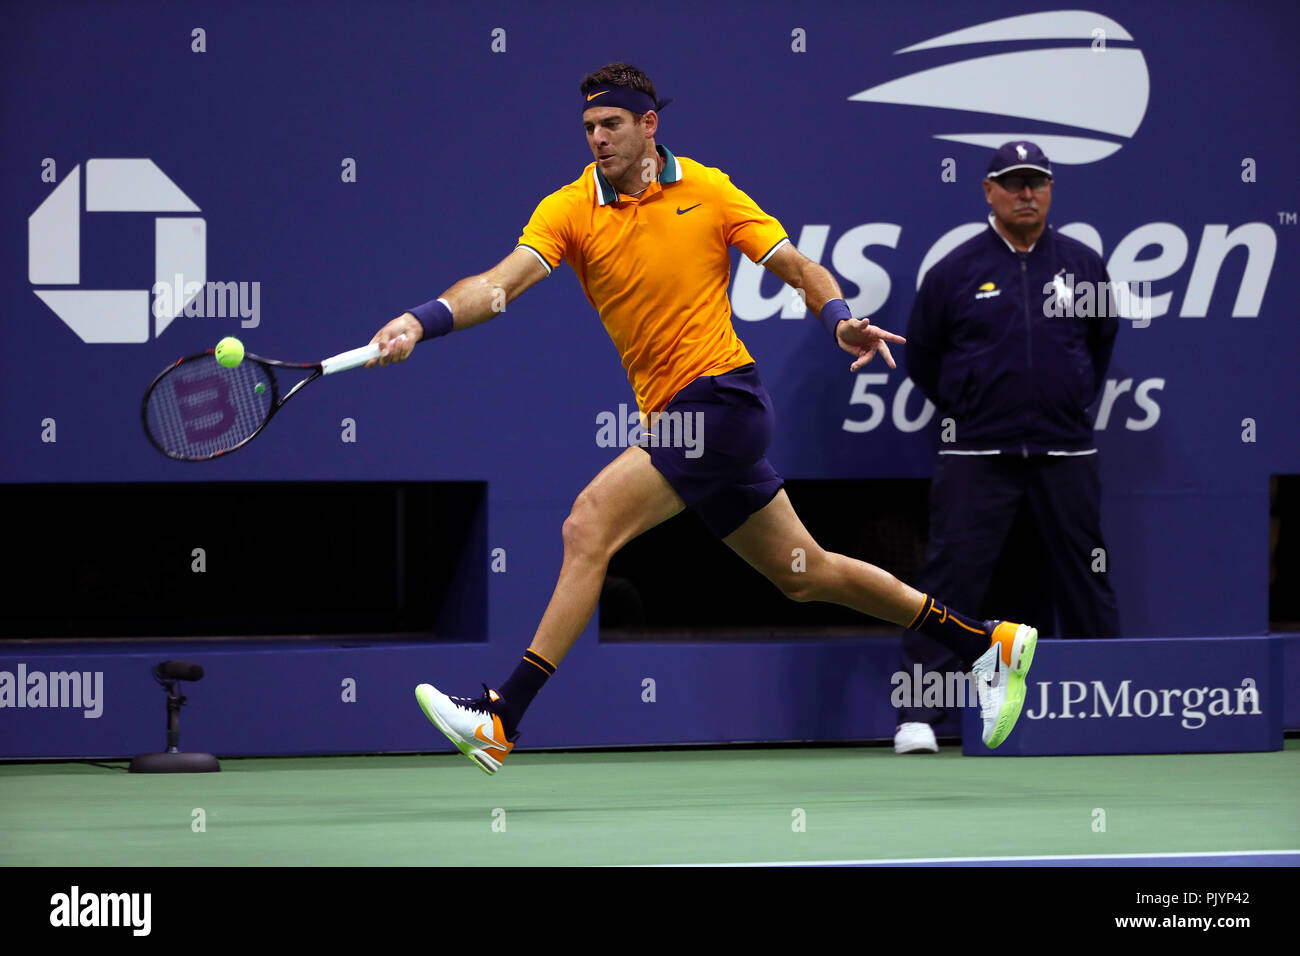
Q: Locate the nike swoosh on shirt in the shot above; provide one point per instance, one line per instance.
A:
(594, 95)
(680, 210)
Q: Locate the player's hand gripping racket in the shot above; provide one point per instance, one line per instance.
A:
(197, 409)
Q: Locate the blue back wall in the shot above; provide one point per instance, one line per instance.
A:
(454, 144)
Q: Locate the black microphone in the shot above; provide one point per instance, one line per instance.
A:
(177, 670)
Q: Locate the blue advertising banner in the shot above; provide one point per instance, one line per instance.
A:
(1198, 695)
(329, 696)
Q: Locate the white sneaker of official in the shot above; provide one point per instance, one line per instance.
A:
(915, 738)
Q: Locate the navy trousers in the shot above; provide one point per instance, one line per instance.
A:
(974, 503)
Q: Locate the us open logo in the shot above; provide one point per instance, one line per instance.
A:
(1081, 81)
(54, 250)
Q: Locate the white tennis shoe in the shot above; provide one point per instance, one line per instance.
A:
(915, 737)
(468, 723)
(999, 676)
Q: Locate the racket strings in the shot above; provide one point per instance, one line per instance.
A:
(200, 408)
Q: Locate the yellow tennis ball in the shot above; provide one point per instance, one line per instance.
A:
(229, 352)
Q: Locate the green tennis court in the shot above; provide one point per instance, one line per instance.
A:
(649, 807)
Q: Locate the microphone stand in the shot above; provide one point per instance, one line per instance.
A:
(173, 760)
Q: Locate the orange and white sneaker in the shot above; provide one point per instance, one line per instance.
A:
(471, 725)
(999, 677)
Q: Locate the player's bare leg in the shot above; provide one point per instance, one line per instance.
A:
(998, 652)
(775, 542)
(627, 498)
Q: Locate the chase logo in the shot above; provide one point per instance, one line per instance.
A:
(54, 248)
(1095, 91)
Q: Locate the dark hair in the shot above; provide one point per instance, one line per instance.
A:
(620, 74)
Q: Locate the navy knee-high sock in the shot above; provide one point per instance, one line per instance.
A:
(963, 636)
(520, 688)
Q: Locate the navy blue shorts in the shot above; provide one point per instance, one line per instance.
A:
(709, 444)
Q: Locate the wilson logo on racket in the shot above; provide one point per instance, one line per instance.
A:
(198, 410)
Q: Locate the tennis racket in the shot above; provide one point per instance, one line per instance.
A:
(198, 410)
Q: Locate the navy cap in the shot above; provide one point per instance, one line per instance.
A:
(1018, 154)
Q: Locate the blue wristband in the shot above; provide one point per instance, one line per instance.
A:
(833, 312)
(435, 318)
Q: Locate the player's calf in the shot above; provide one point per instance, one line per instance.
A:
(806, 574)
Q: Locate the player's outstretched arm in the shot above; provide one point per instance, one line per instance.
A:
(814, 283)
(473, 300)
(858, 337)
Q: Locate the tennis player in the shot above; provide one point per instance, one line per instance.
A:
(647, 233)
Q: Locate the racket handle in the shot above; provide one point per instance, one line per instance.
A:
(351, 359)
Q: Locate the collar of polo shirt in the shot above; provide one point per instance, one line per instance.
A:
(672, 172)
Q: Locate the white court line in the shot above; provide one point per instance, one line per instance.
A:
(1002, 859)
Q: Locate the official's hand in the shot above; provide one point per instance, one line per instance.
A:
(397, 340)
(860, 338)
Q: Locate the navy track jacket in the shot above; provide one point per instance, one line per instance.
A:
(1002, 357)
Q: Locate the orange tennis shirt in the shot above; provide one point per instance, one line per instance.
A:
(656, 267)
